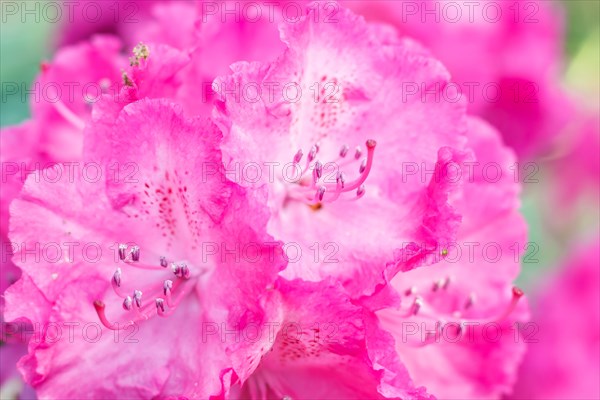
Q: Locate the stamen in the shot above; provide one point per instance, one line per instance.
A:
(360, 192)
(116, 281)
(160, 305)
(341, 180)
(126, 80)
(181, 270)
(358, 152)
(122, 251)
(417, 304)
(344, 151)
(470, 301)
(298, 156)
(175, 269)
(100, 310)
(317, 171)
(439, 284)
(410, 291)
(174, 291)
(127, 303)
(363, 177)
(137, 297)
(135, 253)
(363, 166)
(312, 153)
(141, 51)
(446, 282)
(332, 191)
(69, 115)
(117, 277)
(167, 287)
(320, 193)
(517, 293)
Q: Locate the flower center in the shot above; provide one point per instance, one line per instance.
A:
(328, 182)
(436, 304)
(167, 293)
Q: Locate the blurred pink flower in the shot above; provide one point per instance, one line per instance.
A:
(563, 357)
(212, 41)
(346, 110)
(11, 383)
(62, 101)
(156, 199)
(455, 327)
(576, 170)
(505, 55)
(86, 18)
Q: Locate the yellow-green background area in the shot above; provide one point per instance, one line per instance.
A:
(24, 45)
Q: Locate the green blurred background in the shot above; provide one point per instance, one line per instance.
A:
(24, 45)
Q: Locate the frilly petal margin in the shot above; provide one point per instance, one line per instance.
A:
(322, 337)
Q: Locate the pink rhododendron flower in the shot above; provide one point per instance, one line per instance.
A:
(167, 211)
(310, 210)
(348, 110)
(455, 329)
(562, 359)
(325, 347)
(506, 57)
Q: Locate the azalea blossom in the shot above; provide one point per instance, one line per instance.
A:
(457, 326)
(333, 352)
(148, 232)
(309, 209)
(335, 156)
(562, 359)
